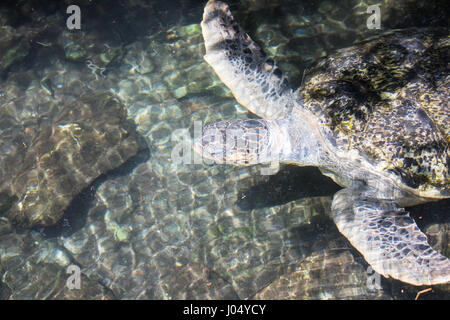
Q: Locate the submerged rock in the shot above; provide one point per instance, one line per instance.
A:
(323, 275)
(90, 46)
(13, 47)
(178, 54)
(34, 268)
(45, 163)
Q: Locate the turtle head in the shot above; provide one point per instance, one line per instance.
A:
(240, 142)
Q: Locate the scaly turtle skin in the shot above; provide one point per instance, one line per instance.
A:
(374, 117)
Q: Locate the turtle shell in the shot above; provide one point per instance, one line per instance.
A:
(388, 98)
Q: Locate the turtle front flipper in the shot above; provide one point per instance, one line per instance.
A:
(254, 80)
(388, 238)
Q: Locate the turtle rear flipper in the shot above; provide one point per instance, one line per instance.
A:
(388, 238)
(254, 80)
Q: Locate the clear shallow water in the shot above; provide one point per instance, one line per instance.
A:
(154, 229)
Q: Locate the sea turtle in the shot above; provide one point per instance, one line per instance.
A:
(374, 117)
